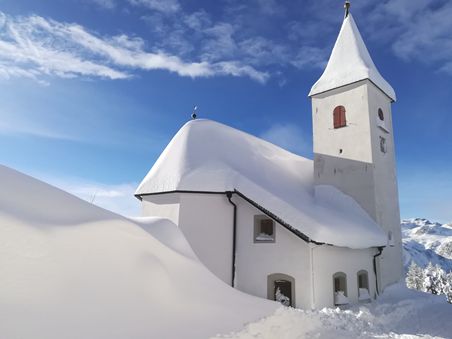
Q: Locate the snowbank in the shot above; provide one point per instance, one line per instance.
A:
(208, 156)
(69, 269)
(399, 313)
(350, 62)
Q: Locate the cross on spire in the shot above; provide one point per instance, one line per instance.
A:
(347, 8)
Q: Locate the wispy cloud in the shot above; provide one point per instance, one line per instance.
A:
(108, 4)
(417, 30)
(164, 6)
(32, 129)
(230, 41)
(34, 47)
(287, 136)
(118, 198)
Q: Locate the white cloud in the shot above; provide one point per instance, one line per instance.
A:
(164, 6)
(108, 4)
(34, 47)
(118, 198)
(417, 30)
(32, 129)
(270, 7)
(237, 69)
(287, 136)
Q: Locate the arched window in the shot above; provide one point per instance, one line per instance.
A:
(340, 288)
(381, 115)
(281, 288)
(339, 117)
(363, 285)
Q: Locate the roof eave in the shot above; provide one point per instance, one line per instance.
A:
(314, 93)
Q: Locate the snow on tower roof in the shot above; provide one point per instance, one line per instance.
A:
(350, 62)
(208, 156)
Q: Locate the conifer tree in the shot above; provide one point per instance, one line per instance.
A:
(447, 288)
(428, 279)
(415, 277)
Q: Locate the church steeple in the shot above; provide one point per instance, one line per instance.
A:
(350, 62)
(353, 139)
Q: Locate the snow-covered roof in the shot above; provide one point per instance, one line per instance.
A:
(350, 62)
(208, 156)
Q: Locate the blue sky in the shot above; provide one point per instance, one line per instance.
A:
(91, 91)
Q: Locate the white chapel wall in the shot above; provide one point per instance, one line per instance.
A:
(343, 156)
(327, 260)
(255, 261)
(161, 205)
(386, 192)
(206, 220)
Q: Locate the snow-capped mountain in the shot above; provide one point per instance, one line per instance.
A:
(425, 241)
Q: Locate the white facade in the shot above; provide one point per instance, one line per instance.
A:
(207, 222)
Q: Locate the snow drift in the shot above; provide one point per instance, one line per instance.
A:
(208, 156)
(69, 269)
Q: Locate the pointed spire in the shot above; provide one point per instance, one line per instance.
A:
(347, 8)
(350, 62)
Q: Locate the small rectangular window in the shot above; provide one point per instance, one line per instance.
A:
(383, 146)
(264, 229)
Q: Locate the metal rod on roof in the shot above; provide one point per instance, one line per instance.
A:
(347, 8)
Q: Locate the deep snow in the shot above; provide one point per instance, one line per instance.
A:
(398, 313)
(69, 269)
(208, 156)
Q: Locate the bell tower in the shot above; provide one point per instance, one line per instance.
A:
(353, 139)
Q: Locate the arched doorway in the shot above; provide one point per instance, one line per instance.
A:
(281, 288)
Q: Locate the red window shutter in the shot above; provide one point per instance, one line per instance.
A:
(343, 122)
(339, 117)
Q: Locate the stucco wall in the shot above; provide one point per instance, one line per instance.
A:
(385, 179)
(207, 222)
(361, 170)
(351, 170)
(327, 260)
(255, 261)
(161, 205)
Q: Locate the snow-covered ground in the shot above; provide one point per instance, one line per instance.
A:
(69, 269)
(425, 241)
(398, 313)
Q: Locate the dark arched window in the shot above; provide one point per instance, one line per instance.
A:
(339, 117)
(340, 288)
(281, 288)
(381, 115)
(363, 285)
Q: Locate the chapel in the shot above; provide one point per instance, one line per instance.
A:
(307, 233)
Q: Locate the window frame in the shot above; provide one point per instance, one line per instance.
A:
(258, 230)
(366, 274)
(339, 117)
(382, 122)
(272, 278)
(383, 145)
(339, 275)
